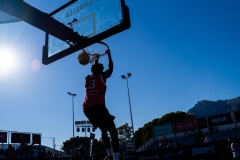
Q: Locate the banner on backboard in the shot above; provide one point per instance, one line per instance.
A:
(202, 123)
(237, 116)
(221, 119)
(36, 138)
(3, 137)
(20, 138)
(162, 130)
(185, 126)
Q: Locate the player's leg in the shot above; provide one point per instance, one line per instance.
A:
(104, 122)
(111, 127)
(107, 143)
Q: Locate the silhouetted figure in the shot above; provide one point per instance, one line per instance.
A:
(95, 109)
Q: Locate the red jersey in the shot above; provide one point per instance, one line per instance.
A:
(95, 88)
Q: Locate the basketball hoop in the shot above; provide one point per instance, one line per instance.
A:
(93, 53)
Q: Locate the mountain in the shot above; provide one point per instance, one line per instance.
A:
(207, 108)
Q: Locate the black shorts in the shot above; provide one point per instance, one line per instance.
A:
(99, 116)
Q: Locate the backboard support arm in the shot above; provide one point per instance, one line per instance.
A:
(40, 20)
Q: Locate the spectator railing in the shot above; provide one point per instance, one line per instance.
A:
(225, 131)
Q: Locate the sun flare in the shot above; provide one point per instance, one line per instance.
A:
(8, 60)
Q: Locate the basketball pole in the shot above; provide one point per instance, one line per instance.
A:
(72, 95)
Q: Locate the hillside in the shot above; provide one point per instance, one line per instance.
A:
(207, 108)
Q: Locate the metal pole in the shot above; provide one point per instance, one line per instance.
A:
(130, 112)
(8, 137)
(73, 122)
(72, 95)
(54, 143)
(85, 140)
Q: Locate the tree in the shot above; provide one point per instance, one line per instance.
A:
(125, 133)
(68, 144)
(138, 137)
(98, 146)
(174, 117)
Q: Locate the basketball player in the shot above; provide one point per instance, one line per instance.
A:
(95, 109)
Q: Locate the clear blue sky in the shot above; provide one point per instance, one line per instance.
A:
(179, 53)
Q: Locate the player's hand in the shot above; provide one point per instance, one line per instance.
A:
(96, 56)
(108, 52)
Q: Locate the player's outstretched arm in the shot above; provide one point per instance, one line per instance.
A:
(109, 71)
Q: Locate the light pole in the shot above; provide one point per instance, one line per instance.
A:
(126, 78)
(72, 95)
(85, 125)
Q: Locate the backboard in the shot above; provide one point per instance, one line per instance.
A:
(94, 20)
(6, 18)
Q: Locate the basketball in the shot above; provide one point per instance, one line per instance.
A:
(83, 58)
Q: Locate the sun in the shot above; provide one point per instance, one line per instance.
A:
(8, 60)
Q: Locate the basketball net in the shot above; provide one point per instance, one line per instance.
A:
(92, 53)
